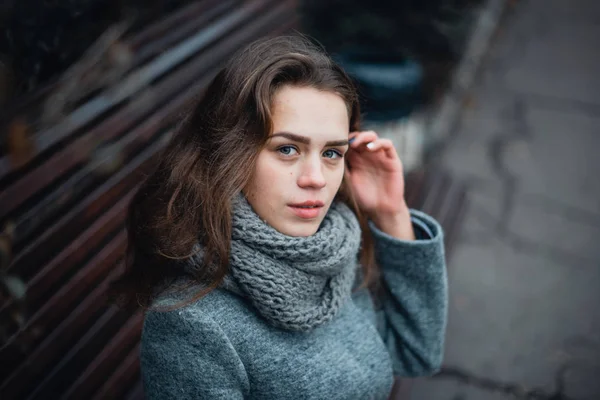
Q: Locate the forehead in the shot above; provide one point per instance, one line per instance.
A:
(310, 112)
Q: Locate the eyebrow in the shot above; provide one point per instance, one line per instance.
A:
(306, 140)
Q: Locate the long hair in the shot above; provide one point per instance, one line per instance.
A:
(187, 199)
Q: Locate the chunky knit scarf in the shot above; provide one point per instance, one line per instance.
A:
(295, 283)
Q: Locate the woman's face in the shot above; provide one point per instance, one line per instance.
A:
(300, 170)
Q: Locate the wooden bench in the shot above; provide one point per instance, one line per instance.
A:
(64, 190)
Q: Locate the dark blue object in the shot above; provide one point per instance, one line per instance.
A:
(390, 86)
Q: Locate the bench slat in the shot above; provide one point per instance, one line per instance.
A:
(163, 39)
(82, 214)
(59, 377)
(124, 376)
(57, 342)
(72, 255)
(137, 392)
(191, 12)
(107, 360)
(46, 318)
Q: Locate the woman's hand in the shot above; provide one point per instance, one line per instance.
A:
(376, 177)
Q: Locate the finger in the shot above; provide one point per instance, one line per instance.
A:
(358, 139)
(369, 135)
(383, 144)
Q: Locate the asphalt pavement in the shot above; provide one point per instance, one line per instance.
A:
(524, 318)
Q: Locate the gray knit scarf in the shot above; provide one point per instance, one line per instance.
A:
(295, 283)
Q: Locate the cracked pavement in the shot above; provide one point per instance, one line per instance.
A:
(524, 318)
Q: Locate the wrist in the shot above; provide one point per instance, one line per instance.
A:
(397, 224)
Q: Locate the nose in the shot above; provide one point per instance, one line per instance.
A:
(311, 175)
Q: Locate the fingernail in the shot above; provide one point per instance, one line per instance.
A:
(351, 140)
(370, 146)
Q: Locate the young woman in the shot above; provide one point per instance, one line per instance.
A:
(272, 246)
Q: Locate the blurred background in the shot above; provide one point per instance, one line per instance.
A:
(493, 105)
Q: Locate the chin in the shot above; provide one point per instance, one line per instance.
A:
(300, 229)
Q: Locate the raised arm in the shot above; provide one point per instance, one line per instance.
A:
(413, 314)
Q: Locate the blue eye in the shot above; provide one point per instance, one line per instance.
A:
(287, 150)
(332, 154)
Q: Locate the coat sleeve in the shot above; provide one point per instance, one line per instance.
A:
(186, 355)
(412, 314)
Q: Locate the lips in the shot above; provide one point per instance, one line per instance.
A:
(308, 209)
(308, 204)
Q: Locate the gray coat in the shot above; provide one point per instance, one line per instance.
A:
(219, 348)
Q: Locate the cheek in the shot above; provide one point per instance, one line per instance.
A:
(336, 178)
(267, 175)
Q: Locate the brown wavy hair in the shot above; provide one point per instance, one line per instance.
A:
(187, 198)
